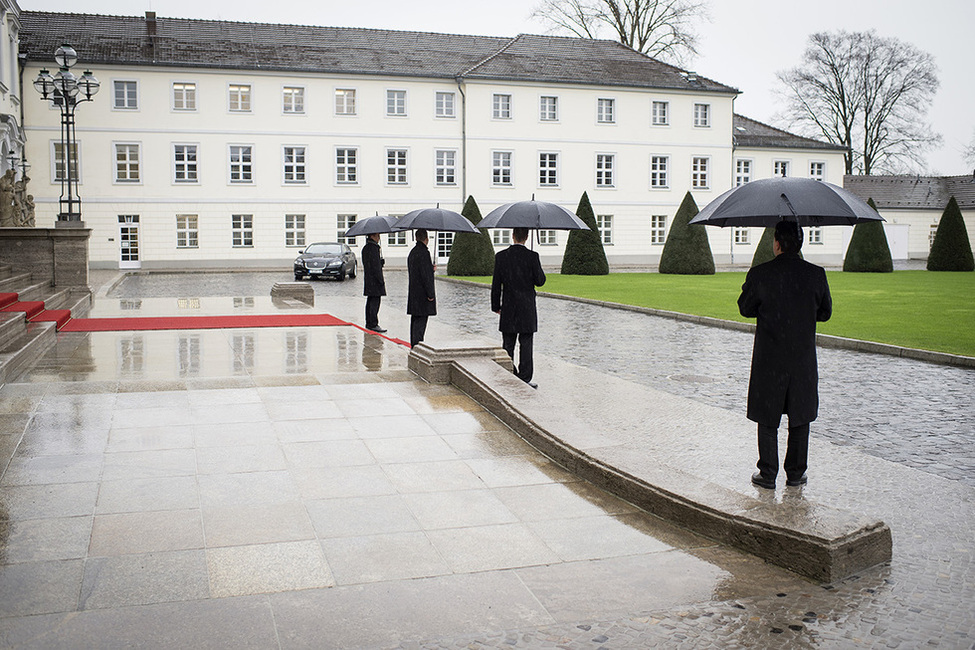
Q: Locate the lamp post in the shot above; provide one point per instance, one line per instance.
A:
(66, 91)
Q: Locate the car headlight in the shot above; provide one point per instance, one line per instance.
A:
(335, 263)
(299, 262)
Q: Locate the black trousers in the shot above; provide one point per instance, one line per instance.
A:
(418, 327)
(372, 311)
(795, 455)
(526, 366)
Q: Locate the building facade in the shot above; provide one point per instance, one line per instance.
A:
(11, 132)
(217, 144)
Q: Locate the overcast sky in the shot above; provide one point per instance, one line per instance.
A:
(745, 43)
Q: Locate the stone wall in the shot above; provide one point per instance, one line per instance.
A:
(55, 255)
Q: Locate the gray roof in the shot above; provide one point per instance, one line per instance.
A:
(182, 42)
(914, 192)
(752, 133)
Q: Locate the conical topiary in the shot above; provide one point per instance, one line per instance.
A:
(951, 249)
(687, 250)
(584, 254)
(868, 251)
(764, 252)
(471, 254)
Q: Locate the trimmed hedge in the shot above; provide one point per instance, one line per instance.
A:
(471, 254)
(687, 250)
(764, 252)
(584, 253)
(951, 250)
(868, 251)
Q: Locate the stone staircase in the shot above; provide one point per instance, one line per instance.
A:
(23, 342)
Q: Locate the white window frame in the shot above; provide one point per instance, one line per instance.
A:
(498, 168)
(548, 160)
(604, 226)
(548, 108)
(348, 103)
(188, 97)
(57, 162)
(131, 164)
(344, 168)
(659, 172)
(242, 230)
(660, 117)
(658, 229)
(781, 164)
(396, 102)
(187, 165)
(500, 111)
(501, 236)
(821, 174)
(743, 171)
(187, 232)
(239, 99)
(548, 238)
(296, 95)
(249, 180)
(343, 222)
(400, 168)
(741, 236)
(702, 115)
(397, 238)
(295, 230)
(444, 172)
(296, 169)
(445, 105)
(701, 172)
(115, 95)
(605, 170)
(815, 235)
(605, 110)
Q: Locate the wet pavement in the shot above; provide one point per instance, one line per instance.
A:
(297, 487)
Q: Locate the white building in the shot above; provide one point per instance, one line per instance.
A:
(11, 133)
(216, 144)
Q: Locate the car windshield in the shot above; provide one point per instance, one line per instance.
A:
(324, 249)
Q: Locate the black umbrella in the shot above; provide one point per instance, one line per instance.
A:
(371, 225)
(767, 201)
(536, 215)
(435, 219)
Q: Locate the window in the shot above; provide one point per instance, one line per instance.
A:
(239, 98)
(817, 170)
(184, 163)
(604, 224)
(932, 231)
(547, 238)
(187, 231)
(658, 229)
(699, 173)
(502, 107)
(780, 168)
(59, 172)
(815, 234)
(396, 167)
(658, 171)
(126, 95)
(293, 99)
(241, 166)
(501, 167)
(604, 169)
(741, 236)
(446, 167)
(445, 105)
(294, 230)
(184, 96)
(743, 172)
(242, 229)
(606, 111)
(397, 238)
(660, 114)
(346, 167)
(342, 223)
(345, 101)
(702, 115)
(548, 108)
(294, 165)
(501, 237)
(396, 103)
(127, 163)
(548, 169)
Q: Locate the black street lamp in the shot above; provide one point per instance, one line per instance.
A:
(66, 91)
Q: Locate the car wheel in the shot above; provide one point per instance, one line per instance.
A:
(341, 275)
(352, 272)
(298, 277)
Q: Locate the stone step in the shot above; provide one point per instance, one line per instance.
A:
(36, 340)
(14, 282)
(13, 328)
(6, 271)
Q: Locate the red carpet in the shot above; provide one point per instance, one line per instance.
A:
(199, 322)
(7, 298)
(59, 316)
(31, 307)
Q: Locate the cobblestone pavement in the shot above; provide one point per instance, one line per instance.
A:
(914, 414)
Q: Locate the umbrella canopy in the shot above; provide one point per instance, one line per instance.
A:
(535, 215)
(767, 201)
(435, 219)
(371, 225)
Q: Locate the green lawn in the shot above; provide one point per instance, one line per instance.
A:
(917, 309)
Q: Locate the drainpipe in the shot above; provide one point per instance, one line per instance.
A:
(463, 140)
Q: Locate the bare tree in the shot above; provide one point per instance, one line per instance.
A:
(969, 151)
(867, 93)
(658, 28)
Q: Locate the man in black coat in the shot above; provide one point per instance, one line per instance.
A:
(421, 298)
(517, 271)
(788, 296)
(373, 283)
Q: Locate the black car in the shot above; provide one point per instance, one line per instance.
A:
(326, 259)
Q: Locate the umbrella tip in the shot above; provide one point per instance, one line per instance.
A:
(533, 196)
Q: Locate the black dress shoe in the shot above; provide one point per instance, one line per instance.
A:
(793, 482)
(763, 481)
(377, 329)
(532, 384)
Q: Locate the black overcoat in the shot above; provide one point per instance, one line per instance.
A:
(421, 285)
(788, 296)
(517, 271)
(373, 283)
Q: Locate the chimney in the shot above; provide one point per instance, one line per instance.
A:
(151, 24)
